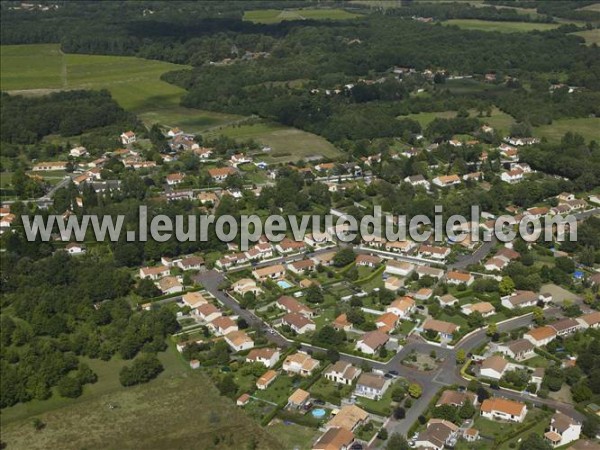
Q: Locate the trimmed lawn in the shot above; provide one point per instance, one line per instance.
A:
(536, 361)
(381, 407)
(292, 435)
(278, 391)
(329, 391)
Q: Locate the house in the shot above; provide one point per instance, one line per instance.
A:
(341, 323)
(49, 165)
(371, 385)
(447, 300)
(244, 286)
(75, 248)
(367, 260)
(437, 435)
(393, 283)
(434, 252)
(194, 299)
(243, 400)
(288, 245)
(299, 267)
(495, 264)
(423, 294)
(316, 238)
(191, 263)
(520, 299)
(266, 356)
(300, 363)
(446, 180)
(565, 326)
(400, 268)
(299, 323)
(522, 140)
(342, 372)
(471, 434)
(154, 273)
(372, 341)
(507, 254)
(203, 152)
(591, 320)
(174, 179)
(512, 176)
(349, 417)
(128, 137)
(208, 312)
(473, 176)
(239, 341)
(445, 330)
(540, 336)
(265, 380)
(537, 212)
(170, 285)
(455, 398)
(433, 272)
(298, 399)
(456, 278)
(269, 272)
(398, 246)
(387, 322)
(222, 325)
(563, 430)
(239, 158)
(417, 180)
(291, 305)
(519, 350)
(486, 309)
(325, 259)
(493, 367)
(401, 307)
(334, 439)
(221, 173)
(497, 408)
(78, 152)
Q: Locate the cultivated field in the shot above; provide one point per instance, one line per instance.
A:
(134, 82)
(278, 15)
(590, 36)
(589, 128)
(181, 408)
(287, 144)
(502, 27)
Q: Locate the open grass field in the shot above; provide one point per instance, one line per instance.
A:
(134, 82)
(498, 120)
(592, 7)
(180, 407)
(590, 36)
(278, 15)
(502, 27)
(589, 128)
(287, 144)
(293, 436)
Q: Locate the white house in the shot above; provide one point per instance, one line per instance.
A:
(400, 268)
(128, 137)
(371, 385)
(519, 350)
(372, 341)
(299, 323)
(402, 307)
(446, 180)
(512, 176)
(563, 430)
(300, 363)
(266, 356)
(540, 336)
(75, 248)
(239, 341)
(437, 435)
(493, 367)
(499, 408)
(342, 372)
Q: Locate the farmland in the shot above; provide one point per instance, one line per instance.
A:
(133, 82)
(276, 15)
(590, 36)
(287, 143)
(498, 119)
(589, 128)
(502, 27)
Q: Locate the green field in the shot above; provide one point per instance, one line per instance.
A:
(288, 144)
(134, 82)
(278, 15)
(590, 36)
(502, 27)
(498, 120)
(589, 128)
(180, 407)
(593, 7)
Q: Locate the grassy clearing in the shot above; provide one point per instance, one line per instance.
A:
(292, 435)
(190, 120)
(287, 144)
(589, 128)
(502, 27)
(31, 67)
(593, 7)
(278, 15)
(590, 36)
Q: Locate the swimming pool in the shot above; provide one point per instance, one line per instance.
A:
(284, 284)
(318, 413)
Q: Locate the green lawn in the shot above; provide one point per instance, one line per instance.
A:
(278, 15)
(502, 27)
(498, 120)
(278, 391)
(381, 407)
(589, 128)
(329, 391)
(293, 436)
(287, 144)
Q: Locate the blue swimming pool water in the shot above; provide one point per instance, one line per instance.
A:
(284, 284)
(318, 413)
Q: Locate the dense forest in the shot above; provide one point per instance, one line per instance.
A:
(26, 120)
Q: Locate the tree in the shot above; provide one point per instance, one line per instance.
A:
(383, 434)
(69, 387)
(147, 289)
(534, 442)
(461, 356)
(538, 315)
(399, 413)
(467, 410)
(506, 286)
(145, 368)
(415, 390)
(344, 257)
(446, 412)
(492, 329)
(314, 294)
(482, 394)
(397, 442)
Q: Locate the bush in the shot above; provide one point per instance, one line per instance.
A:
(143, 369)
(69, 387)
